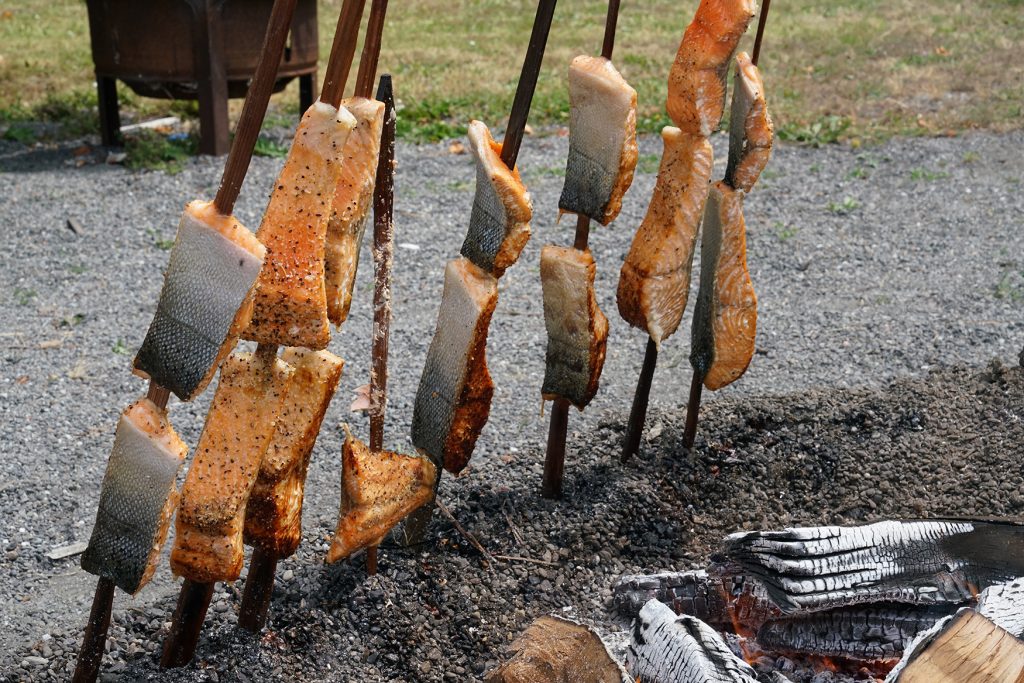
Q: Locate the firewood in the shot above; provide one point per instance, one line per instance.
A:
(1004, 605)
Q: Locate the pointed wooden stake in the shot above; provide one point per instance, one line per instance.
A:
(638, 413)
(259, 587)
(180, 646)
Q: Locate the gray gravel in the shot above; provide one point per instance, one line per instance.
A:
(871, 395)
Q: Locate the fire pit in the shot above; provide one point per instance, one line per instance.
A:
(193, 49)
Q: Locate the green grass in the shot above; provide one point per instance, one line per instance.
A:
(265, 147)
(846, 206)
(785, 231)
(24, 296)
(154, 151)
(927, 175)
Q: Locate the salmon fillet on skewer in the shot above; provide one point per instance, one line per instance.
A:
(654, 283)
(577, 329)
(750, 127)
(239, 429)
(290, 305)
(602, 140)
(273, 514)
(205, 302)
(138, 498)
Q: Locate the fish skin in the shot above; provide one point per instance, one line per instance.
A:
(453, 400)
(499, 226)
(602, 140)
(273, 514)
(205, 302)
(290, 304)
(378, 490)
(239, 428)
(138, 498)
(750, 127)
(696, 81)
(352, 202)
(577, 329)
(654, 283)
(725, 317)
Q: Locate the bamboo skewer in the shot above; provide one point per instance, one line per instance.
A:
(343, 51)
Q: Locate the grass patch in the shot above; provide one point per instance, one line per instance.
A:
(785, 231)
(265, 147)
(1010, 285)
(846, 206)
(152, 151)
(24, 296)
(120, 348)
(919, 174)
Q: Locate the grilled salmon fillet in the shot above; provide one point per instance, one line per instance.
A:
(499, 226)
(725, 317)
(239, 428)
(352, 200)
(696, 81)
(454, 396)
(138, 498)
(750, 127)
(273, 515)
(654, 283)
(205, 302)
(378, 490)
(577, 329)
(602, 140)
(290, 305)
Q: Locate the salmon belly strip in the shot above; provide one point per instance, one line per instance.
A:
(577, 329)
(273, 514)
(454, 396)
(725, 317)
(205, 302)
(290, 305)
(138, 498)
(378, 490)
(238, 430)
(696, 81)
(352, 200)
(602, 140)
(750, 127)
(499, 226)
(654, 283)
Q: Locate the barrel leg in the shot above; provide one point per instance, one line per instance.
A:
(213, 83)
(110, 115)
(307, 91)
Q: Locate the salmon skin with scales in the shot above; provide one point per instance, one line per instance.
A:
(654, 283)
(453, 400)
(750, 127)
(351, 208)
(577, 329)
(725, 317)
(602, 140)
(273, 514)
(238, 430)
(290, 304)
(696, 81)
(138, 498)
(378, 490)
(499, 226)
(205, 302)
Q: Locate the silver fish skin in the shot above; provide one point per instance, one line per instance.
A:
(750, 127)
(205, 301)
(602, 140)
(138, 498)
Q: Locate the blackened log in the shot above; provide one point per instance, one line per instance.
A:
(1004, 605)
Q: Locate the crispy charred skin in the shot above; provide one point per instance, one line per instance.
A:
(238, 431)
(654, 283)
(351, 207)
(499, 226)
(205, 303)
(273, 514)
(378, 490)
(138, 498)
(577, 329)
(750, 127)
(696, 82)
(602, 140)
(290, 306)
(454, 396)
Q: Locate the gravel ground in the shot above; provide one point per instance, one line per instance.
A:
(891, 314)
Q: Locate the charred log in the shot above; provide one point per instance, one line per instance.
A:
(1004, 606)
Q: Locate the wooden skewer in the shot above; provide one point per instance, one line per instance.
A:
(342, 52)
(259, 587)
(638, 413)
(180, 646)
(367, 73)
(760, 31)
(610, 23)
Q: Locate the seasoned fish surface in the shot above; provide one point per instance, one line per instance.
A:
(454, 396)
(273, 515)
(352, 201)
(499, 226)
(238, 431)
(205, 302)
(602, 140)
(378, 490)
(725, 318)
(138, 498)
(290, 305)
(696, 82)
(654, 283)
(750, 127)
(577, 329)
